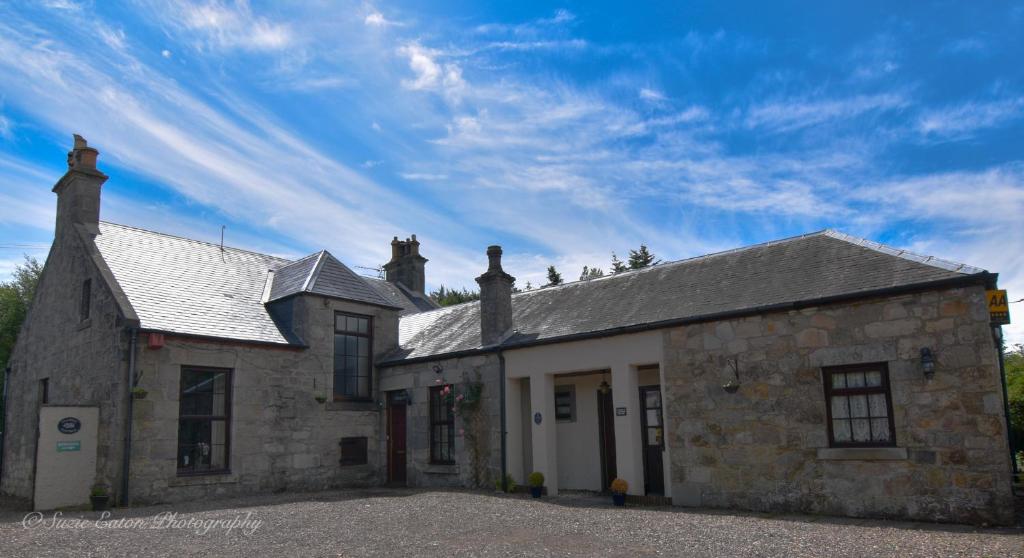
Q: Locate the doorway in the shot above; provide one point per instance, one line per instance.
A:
(397, 401)
(606, 437)
(653, 440)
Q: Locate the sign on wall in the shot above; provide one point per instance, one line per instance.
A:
(998, 307)
(69, 425)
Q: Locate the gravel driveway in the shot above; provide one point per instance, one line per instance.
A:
(437, 523)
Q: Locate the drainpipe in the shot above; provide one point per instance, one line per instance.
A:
(504, 426)
(126, 464)
(3, 418)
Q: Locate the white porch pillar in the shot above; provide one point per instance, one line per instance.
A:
(514, 427)
(629, 460)
(545, 451)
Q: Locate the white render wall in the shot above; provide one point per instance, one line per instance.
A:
(620, 355)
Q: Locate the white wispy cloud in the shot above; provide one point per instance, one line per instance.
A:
(792, 114)
(962, 120)
(649, 94)
(229, 25)
(377, 19)
(416, 176)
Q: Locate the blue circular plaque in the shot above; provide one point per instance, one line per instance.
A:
(537, 418)
(69, 425)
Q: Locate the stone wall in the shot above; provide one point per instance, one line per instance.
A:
(85, 363)
(418, 379)
(765, 447)
(281, 437)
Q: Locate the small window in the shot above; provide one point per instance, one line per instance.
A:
(565, 403)
(859, 406)
(204, 413)
(86, 302)
(442, 425)
(353, 350)
(353, 451)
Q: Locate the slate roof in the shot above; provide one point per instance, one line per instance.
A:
(790, 271)
(323, 274)
(179, 285)
(410, 302)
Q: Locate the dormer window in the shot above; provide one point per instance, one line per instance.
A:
(353, 344)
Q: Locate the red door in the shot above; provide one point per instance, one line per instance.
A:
(396, 438)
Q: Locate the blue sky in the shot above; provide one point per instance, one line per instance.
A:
(561, 131)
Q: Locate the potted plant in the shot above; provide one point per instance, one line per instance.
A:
(139, 393)
(320, 397)
(536, 482)
(619, 488)
(511, 484)
(99, 497)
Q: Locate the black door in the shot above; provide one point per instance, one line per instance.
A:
(606, 434)
(653, 439)
(396, 438)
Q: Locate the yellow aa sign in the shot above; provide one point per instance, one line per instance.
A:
(998, 307)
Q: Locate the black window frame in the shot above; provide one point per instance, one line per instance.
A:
(884, 389)
(369, 358)
(439, 401)
(85, 303)
(357, 451)
(569, 389)
(226, 417)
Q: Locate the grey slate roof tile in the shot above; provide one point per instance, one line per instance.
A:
(803, 268)
(323, 274)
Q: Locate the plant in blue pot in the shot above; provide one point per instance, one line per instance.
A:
(619, 488)
(536, 482)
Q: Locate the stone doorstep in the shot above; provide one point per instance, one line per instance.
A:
(862, 454)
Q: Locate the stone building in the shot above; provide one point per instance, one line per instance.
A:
(821, 373)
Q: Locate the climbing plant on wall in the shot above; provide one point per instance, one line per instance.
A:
(465, 399)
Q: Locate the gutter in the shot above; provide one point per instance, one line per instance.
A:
(3, 431)
(983, 278)
(126, 463)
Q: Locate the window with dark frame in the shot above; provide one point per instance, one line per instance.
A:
(86, 301)
(859, 406)
(353, 451)
(442, 426)
(353, 350)
(565, 403)
(204, 421)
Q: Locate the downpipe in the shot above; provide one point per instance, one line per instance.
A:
(126, 463)
(504, 420)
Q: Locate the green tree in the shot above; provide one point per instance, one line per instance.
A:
(1014, 365)
(554, 277)
(449, 297)
(641, 258)
(589, 273)
(617, 265)
(15, 299)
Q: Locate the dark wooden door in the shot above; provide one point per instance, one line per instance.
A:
(653, 439)
(396, 439)
(606, 435)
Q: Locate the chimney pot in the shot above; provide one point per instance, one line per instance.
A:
(495, 300)
(406, 265)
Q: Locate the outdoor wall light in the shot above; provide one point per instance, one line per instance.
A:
(604, 388)
(438, 369)
(733, 385)
(927, 362)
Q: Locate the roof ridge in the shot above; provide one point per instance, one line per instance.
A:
(314, 272)
(179, 237)
(948, 265)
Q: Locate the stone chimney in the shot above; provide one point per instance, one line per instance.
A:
(406, 265)
(495, 300)
(78, 191)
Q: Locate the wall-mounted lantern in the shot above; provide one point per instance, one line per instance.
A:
(604, 388)
(927, 362)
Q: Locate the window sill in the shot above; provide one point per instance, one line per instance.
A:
(365, 406)
(862, 454)
(202, 479)
(441, 469)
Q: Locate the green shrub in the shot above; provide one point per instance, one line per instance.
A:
(536, 479)
(511, 483)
